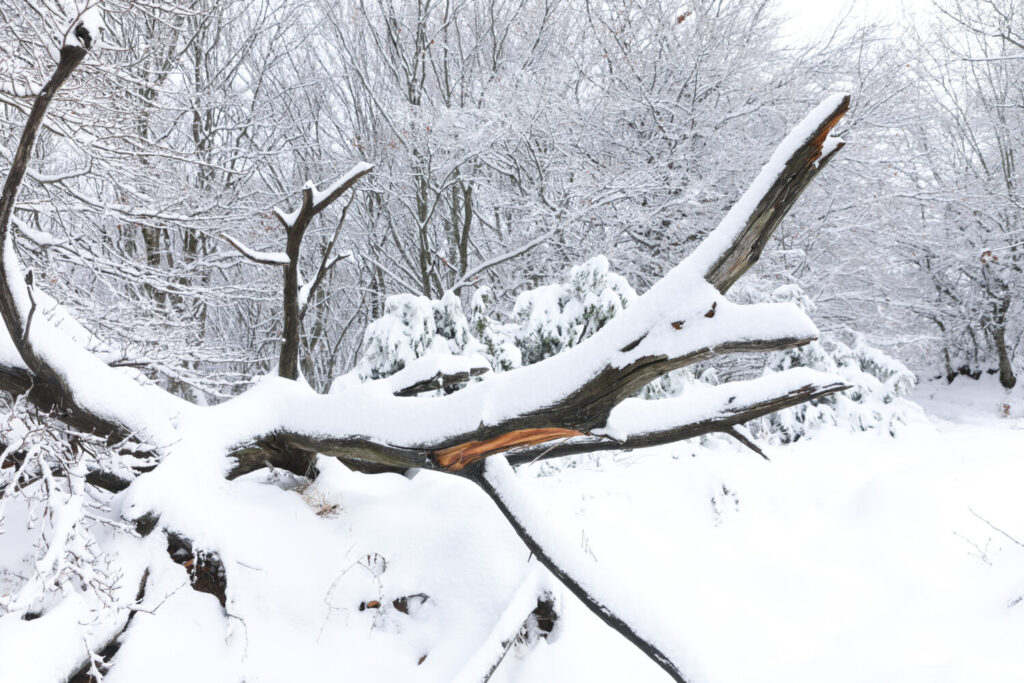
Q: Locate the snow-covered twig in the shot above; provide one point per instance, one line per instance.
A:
(265, 258)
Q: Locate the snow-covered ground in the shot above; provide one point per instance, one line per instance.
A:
(850, 557)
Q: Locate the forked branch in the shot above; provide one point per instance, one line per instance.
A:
(295, 223)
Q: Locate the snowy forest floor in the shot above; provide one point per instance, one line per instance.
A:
(850, 557)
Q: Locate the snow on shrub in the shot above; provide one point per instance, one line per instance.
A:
(549, 319)
(546, 321)
(496, 339)
(451, 324)
(879, 384)
(404, 333)
(556, 317)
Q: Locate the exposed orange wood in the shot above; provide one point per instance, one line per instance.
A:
(457, 457)
(819, 139)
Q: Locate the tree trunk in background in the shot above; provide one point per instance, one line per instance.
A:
(1006, 376)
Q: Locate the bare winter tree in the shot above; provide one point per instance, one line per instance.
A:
(968, 184)
(116, 432)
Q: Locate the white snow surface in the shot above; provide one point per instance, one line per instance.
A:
(618, 594)
(848, 558)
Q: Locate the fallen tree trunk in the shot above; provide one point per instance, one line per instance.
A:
(576, 402)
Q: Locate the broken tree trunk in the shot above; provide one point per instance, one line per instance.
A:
(578, 401)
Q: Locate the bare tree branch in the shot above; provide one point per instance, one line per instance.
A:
(265, 258)
(719, 411)
(773, 193)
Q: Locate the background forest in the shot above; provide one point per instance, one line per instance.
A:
(511, 141)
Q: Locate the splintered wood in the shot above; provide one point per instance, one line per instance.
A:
(457, 457)
(818, 143)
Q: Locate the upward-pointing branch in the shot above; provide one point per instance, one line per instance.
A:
(738, 241)
(70, 57)
(47, 384)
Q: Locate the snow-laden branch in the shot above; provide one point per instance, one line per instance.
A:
(737, 242)
(37, 237)
(616, 608)
(436, 371)
(314, 201)
(265, 258)
(703, 409)
(575, 390)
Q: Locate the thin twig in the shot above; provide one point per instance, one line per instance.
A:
(31, 311)
(995, 528)
(743, 439)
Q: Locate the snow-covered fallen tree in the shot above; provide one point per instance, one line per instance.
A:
(139, 464)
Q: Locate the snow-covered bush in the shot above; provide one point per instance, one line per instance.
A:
(553, 318)
(404, 333)
(415, 327)
(549, 319)
(497, 339)
(878, 383)
(451, 324)
(546, 321)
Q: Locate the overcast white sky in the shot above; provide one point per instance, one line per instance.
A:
(812, 17)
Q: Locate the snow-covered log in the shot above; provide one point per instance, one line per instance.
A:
(580, 400)
(682, 320)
